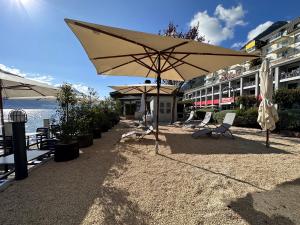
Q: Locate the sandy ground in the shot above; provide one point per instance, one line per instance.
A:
(203, 181)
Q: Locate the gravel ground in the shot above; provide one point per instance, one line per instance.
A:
(203, 181)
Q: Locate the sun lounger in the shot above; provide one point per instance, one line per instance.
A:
(138, 134)
(223, 129)
(191, 116)
(203, 123)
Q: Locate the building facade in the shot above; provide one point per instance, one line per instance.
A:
(280, 45)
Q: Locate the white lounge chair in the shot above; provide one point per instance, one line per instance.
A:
(188, 120)
(219, 130)
(203, 123)
(138, 134)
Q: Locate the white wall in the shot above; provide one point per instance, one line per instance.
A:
(165, 114)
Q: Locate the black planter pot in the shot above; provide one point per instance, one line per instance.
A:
(96, 133)
(66, 151)
(104, 128)
(85, 140)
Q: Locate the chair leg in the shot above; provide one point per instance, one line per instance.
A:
(231, 135)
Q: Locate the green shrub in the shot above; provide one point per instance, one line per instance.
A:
(247, 101)
(200, 113)
(244, 117)
(289, 119)
(219, 116)
(247, 118)
(287, 98)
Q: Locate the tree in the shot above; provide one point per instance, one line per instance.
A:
(192, 34)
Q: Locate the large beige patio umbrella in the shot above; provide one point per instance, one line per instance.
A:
(115, 51)
(267, 113)
(13, 86)
(144, 89)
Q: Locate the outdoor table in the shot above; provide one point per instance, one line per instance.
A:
(31, 155)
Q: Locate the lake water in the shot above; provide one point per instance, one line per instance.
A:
(35, 117)
(36, 110)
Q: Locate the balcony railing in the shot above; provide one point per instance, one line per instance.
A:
(294, 73)
(249, 83)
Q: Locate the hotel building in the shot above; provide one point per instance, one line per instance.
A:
(280, 43)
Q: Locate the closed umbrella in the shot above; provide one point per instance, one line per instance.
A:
(144, 89)
(115, 51)
(267, 113)
(13, 86)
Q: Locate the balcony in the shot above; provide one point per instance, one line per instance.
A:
(249, 83)
(287, 75)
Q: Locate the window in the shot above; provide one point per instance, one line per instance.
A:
(168, 107)
(162, 107)
(297, 38)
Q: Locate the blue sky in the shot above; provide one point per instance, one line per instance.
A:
(36, 43)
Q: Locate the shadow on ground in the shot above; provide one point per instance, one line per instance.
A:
(74, 192)
(268, 207)
(217, 145)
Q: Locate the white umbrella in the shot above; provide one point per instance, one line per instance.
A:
(13, 86)
(119, 52)
(267, 113)
(144, 89)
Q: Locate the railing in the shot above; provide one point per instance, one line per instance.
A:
(286, 75)
(250, 83)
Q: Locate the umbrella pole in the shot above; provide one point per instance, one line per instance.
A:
(157, 104)
(145, 98)
(267, 139)
(2, 122)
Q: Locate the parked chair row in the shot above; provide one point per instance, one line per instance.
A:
(203, 128)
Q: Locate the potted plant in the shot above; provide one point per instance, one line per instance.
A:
(84, 124)
(67, 147)
(96, 122)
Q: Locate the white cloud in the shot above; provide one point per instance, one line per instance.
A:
(259, 29)
(252, 34)
(232, 16)
(219, 27)
(33, 76)
(81, 88)
(238, 45)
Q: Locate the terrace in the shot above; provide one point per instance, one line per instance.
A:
(189, 182)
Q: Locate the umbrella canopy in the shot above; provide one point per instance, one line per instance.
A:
(144, 88)
(14, 86)
(115, 51)
(267, 113)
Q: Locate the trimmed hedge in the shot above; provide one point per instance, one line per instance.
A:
(287, 98)
(244, 117)
(289, 119)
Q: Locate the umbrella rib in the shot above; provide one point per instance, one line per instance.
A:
(117, 56)
(151, 66)
(173, 65)
(149, 56)
(123, 64)
(143, 64)
(215, 54)
(113, 35)
(132, 88)
(175, 46)
(175, 70)
(190, 64)
(162, 68)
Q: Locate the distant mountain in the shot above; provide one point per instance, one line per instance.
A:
(30, 104)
